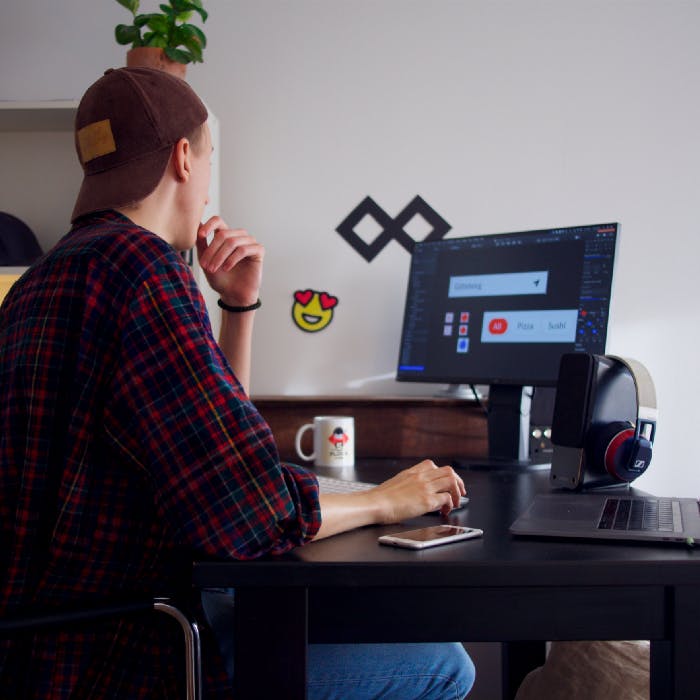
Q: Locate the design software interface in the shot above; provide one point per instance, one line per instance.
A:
(503, 308)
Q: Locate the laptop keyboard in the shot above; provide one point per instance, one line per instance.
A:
(649, 514)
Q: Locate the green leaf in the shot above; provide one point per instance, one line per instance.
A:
(127, 34)
(181, 10)
(189, 35)
(131, 5)
(155, 40)
(178, 55)
(185, 37)
(159, 24)
(181, 5)
(202, 13)
(167, 10)
(195, 50)
(143, 20)
(185, 8)
(198, 34)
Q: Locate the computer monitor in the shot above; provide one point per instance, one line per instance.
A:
(501, 310)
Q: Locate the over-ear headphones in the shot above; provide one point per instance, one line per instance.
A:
(604, 421)
(621, 448)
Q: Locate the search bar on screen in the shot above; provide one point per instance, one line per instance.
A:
(506, 284)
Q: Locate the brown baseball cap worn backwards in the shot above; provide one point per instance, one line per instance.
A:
(125, 128)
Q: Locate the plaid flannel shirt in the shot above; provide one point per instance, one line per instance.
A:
(128, 448)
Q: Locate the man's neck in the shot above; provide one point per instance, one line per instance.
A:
(150, 213)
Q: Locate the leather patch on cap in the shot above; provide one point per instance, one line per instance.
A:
(96, 140)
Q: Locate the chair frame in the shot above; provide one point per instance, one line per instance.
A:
(10, 626)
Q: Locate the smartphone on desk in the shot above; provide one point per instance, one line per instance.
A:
(430, 536)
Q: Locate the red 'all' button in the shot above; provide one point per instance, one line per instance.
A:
(498, 326)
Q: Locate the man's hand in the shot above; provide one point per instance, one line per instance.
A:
(420, 489)
(423, 488)
(232, 261)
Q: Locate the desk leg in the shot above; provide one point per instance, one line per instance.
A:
(517, 660)
(271, 637)
(660, 670)
(686, 643)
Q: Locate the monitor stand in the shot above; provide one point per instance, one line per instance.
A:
(508, 421)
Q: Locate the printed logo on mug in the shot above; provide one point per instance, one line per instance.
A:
(334, 441)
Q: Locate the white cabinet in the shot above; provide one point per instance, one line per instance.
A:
(40, 174)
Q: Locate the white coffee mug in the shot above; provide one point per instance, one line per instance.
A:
(334, 441)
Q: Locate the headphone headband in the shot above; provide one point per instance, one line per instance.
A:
(644, 386)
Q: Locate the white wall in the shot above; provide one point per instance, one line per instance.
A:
(502, 115)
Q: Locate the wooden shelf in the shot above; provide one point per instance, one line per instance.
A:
(40, 115)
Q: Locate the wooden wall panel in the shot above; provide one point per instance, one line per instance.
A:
(387, 428)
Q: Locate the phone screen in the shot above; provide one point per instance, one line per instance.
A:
(435, 532)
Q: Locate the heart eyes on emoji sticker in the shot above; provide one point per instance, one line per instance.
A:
(327, 301)
(304, 297)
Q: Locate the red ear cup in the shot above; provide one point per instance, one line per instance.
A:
(621, 437)
(622, 453)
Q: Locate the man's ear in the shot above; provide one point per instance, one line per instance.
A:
(182, 153)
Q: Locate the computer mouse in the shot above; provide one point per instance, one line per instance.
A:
(463, 501)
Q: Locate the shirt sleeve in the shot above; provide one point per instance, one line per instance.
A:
(180, 415)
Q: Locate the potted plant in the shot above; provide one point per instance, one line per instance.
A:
(163, 39)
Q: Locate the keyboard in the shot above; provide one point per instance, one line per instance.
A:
(655, 514)
(331, 484)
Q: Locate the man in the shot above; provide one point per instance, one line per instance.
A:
(129, 444)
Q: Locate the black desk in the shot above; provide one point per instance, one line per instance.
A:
(348, 588)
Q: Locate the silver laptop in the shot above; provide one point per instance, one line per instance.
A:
(611, 516)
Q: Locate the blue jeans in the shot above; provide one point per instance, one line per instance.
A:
(441, 671)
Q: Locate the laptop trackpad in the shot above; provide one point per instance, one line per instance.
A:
(554, 509)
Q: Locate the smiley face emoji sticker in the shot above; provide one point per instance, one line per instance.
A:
(313, 311)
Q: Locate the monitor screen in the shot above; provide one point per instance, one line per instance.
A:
(503, 308)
